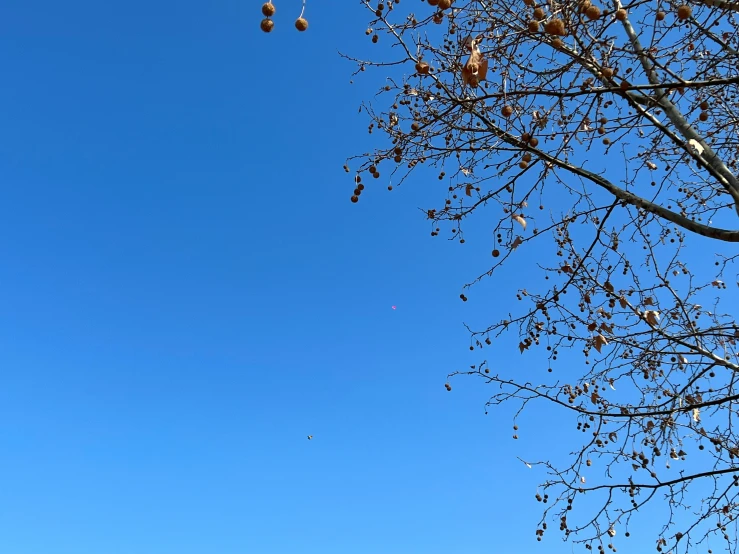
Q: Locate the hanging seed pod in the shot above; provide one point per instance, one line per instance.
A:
(301, 24)
(267, 25)
(268, 9)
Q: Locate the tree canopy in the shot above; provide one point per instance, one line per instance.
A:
(606, 133)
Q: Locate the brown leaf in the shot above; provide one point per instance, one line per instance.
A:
(594, 397)
(520, 220)
(599, 341)
(648, 301)
(516, 243)
(608, 286)
(592, 327)
(652, 317)
(476, 68)
(468, 190)
(622, 302)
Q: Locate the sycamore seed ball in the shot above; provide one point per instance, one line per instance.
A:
(445, 4)
(268, 9)
(593, 13)
(683, 12)
(533, 26)
(660, 16)
(301, 24)
(267, 25)
(555, 27)
(621, 15)
(507, 111)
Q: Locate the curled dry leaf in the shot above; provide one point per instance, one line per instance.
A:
(520, 220)
(652, 317)
(582, 479)
(468, 190)
(599, 341)
(696, 415)
(476, 68)
(622, 302)
(651, 165)
(518, 241)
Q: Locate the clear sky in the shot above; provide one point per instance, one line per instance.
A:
(186, 293)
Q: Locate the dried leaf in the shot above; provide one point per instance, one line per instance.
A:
(651, 165)
(717, 283)
(696, 415)
(521, 347)
(519, 219)
(582, 479)
(476, 68)
(594, 397)
(468, 190)
(592, 327)
(516, 243)
(648, 301)
(608, 286)
(622, 302)
(652, 317)
(599, 341)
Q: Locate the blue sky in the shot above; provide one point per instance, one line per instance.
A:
(186, 293)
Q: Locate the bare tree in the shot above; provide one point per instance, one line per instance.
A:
(607, 134)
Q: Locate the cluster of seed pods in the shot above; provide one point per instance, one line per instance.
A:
(268, 11)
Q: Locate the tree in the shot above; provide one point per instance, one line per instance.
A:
(608, 135)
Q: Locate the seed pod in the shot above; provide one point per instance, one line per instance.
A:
(301, 24)
(267, 25)
(592, 13)
(684, 12)
(268, 9)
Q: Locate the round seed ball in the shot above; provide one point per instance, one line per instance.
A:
(267, 25)
(593, 13)
(268, 9)
(301, 24)
(684, 12)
